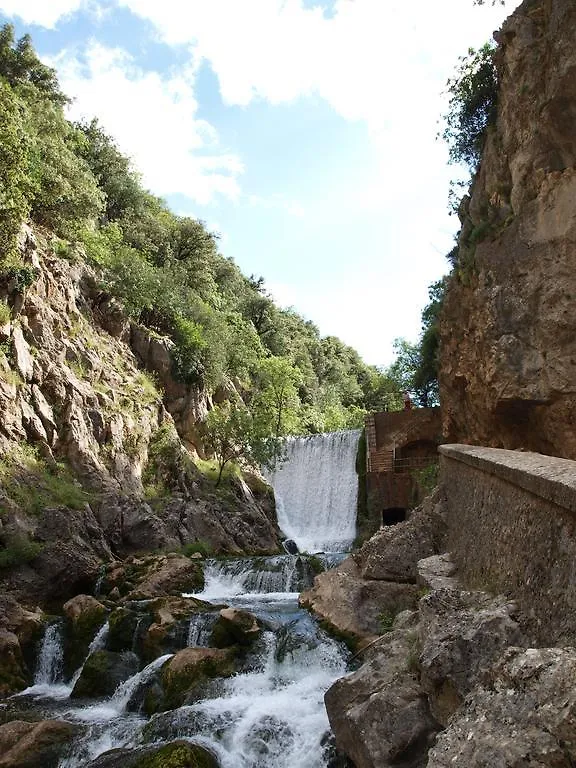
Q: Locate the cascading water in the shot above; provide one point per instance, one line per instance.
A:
(316, 491)
(269, 715)
(51, 657)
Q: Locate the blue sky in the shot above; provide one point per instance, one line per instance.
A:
(303, 131)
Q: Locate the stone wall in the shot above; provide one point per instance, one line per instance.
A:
(512, 528)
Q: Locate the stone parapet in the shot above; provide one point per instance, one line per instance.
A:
(512, 529)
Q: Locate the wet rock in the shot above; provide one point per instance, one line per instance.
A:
(169, 577)
(379, 715)
(123, 625)
(178, 754)
(524, 714)
(352, 606)
(235, 627)
(170, 617)
(290, 546)
(14, 675)
(34, 745)
(85, 615)
(103, 672)
(462, 635)
(184, 674)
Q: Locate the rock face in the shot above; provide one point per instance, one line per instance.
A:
(523, 714)
(508, 340)
(87, 436)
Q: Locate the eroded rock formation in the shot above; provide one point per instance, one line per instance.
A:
(508, 358)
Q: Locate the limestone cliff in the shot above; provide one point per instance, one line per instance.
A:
(93, 463)
(508, 340)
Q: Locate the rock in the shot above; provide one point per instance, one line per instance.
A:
(507, 331)
(393, 552)
(170, 577)
(178, 754)
(187, 670)
(462, 635)
(437, 572)
(379, 714)
(45, 413)
(352, 606)
(103, 672)
(34, 745)
(23, 360)
(290, 546)
(123, 624)
(14, 675)
(85, 615)
(235, 627)
(170, 618)
(524, 714)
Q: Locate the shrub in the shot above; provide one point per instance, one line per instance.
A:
(21, 550)
(4, 313)
(197, 546)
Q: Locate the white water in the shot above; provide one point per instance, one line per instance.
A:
(316, 491)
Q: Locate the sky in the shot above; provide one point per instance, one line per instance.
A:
(304, 132)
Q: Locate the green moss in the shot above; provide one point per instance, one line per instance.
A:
(180, 688)
(79, 635)
(122, 624)
(197, 546)
(19, 551)
(178, 755)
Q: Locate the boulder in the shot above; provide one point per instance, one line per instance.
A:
(235, 627)
(462, 634)
(103, 672)
(34, 745)
(187, 670)
(393, 552)
(178, 754)
(524, 714)
(351, 606)
(379, 714)
(169, 576)
(14, 675)
(123, 625)
(85, 615)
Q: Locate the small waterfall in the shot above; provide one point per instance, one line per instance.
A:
(200, 628)
(51, 657)
(99, 580)
(127, 689)
(316, 491)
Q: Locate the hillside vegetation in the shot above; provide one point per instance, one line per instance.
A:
(73, 183)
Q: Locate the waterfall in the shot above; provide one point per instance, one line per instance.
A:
(316, 491)
(51, 657)
(127, 689)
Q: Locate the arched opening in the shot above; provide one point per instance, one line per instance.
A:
(393, 515)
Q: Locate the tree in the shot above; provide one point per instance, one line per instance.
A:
(232, 433)
(472, 105)
(276, 403)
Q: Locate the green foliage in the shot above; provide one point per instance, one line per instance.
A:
(232, 433)
(427, 479)
(198, 546)
(386, 622)
(5, 315)
(416, 366)
(19, 551)
(165, 269)
(473, 93)
(28, 481)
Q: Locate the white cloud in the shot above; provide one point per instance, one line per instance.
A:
(153, 119)
(44, 13)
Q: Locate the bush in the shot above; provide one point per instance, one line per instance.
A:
(18, 552)
(5, 315)
(197, 546)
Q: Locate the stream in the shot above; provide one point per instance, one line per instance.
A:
(269, 714)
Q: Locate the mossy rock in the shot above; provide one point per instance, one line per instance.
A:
(235, 627)
(103, 672)
(84, 617)
(178, 754)
(187, 671)
(14, 675)
(123, 623)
